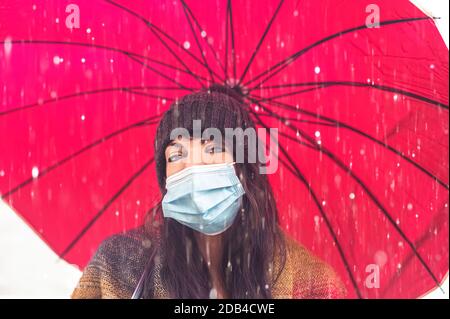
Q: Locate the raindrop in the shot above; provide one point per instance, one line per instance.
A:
(186, 45)
(380, 258)
(57, 60)
(324, 203)
(83, 117)
(392, 185)
(57, 20)
(34, 7)
(117, 213)
(432, 66)
(337, 180)
(8, 46)
(395, 97)
(83, 60)
(111, 60)
(2, 173)
(352, 195)
(53, 95)
(203, 34)
(295, 13)
(138, 202)
(316, 219)
(88, 30)
(409, 206)
(35, 172)
(164, 101)
(319, 142)
(266, 286)
(317, 70)
(317, 134)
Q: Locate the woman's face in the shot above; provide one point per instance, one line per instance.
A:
(185, 152)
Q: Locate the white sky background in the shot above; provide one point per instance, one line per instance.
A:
(30, 269)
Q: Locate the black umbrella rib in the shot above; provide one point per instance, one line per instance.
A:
(344, 167)
(216, 56)
(438, 221)
(159, 73)
(153, 27)
(303, 121)
(45, 171)
(321, 85)
(196, 40)
(284, 63)
(229, 19)
(261, 40)
(74, 95)
(297, 173)
(359, 132)
(97, 46)
(105, 207)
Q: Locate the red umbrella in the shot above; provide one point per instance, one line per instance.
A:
(361, 109)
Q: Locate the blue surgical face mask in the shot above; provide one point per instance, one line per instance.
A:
(205, 198)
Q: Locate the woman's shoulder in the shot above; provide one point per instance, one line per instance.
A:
(115, 268)
(309, 276)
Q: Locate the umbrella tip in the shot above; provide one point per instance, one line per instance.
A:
(236, 91)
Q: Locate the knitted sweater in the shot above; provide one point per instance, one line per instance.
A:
(115, 269)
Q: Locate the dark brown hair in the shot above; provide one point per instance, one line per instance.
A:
(250, 244)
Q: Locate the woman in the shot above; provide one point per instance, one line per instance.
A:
(219, 237)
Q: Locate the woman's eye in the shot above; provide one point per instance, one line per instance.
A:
(175, 157)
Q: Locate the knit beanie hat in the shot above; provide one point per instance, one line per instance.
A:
(216, 107)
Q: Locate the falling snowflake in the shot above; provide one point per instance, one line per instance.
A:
(35, 172)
